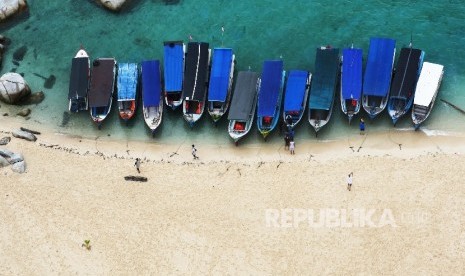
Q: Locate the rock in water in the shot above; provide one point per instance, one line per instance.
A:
(24, 112)
(35, 98)
(4, 141)
(113, 5)
(24, 135)
(11, 7)
(13, 88)
(19, 53)
(19, 167)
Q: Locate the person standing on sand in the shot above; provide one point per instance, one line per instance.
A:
(349, 181)
(137, 164)
(194, 152)
(362, 126)
(291, 146)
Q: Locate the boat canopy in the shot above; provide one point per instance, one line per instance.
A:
(270, 87)
(407, 70)
(220, 73)
(378, 70)
(351, 83)
(428, 83)
(79, 79)
(295, 90)
(173, 66)
(324, 79)
(102, 82)
(128, 75)
(245, 91)
(151, 83)
(195, 75)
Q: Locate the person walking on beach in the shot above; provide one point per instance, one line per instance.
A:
(362, 126)
(349, 181)
(137, 164)
(292, 146)
(194, 152)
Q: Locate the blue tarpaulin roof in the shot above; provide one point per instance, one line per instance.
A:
(379, 67)
(173, 66)
(324, 79)
(270, 88)
(219, 76)
(295, 90)
(351, 85)
(127, 81)
(151, 84)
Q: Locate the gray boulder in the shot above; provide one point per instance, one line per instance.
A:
(13, 88)
(113, 5)
(24, 112)
(6, 153)
(3, 162)
(15, 158)
(11, 7)
(19, 167)
(5, 141)
(24, 135)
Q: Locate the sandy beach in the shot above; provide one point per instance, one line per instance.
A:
(211, 216)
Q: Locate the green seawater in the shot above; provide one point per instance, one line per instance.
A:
(256, 30)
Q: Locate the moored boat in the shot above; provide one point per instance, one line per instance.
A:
(102, 84)
(243, 104)
(152, 95)
(126, 87)
(295, 96)
(173, 65)
(378, 74)
(195, 81)
(270, 96)
(79, 82)
(426, 91)
(221, 78)
(404, 82)
(323, 88)
(351, 81)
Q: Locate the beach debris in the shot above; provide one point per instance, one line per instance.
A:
(112, 5)
(13, 88)
(5, 140)
(10, 8)
(87, 245)
(453, 106)
(30, 130)
(19, 167)
(135, 178)
(24, 112)
(65, 119)
(24, 135)
(34, 98)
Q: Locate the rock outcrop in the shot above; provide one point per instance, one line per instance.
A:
(13, 88)
(9, 8)
(113, 5)
(34, 98)
(24, 135)
(19, 167)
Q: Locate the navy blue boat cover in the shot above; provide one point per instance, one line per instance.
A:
(219, 76)
(173, 66)
(151, 84)
(270, 87)
(79, 80)
(128, 75)
(324, 79)
(243, 99)
(351, 85)
(379, 67)
(196, 71)
(295, 90)
(407, 72)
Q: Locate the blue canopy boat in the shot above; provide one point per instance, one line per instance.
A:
(404, 82)
(174, 54)
(102, 86)
(295, 96)
(126, 85)
(221, 79)
(351, 81)
(152, 95)
(378, 74)
(195, 81)
(270, 96)
(321, 100)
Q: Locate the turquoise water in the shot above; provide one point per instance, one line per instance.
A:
(266, 29)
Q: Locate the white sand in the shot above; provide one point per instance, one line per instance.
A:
(208, 216)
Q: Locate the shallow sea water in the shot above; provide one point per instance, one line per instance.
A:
(256, 30)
